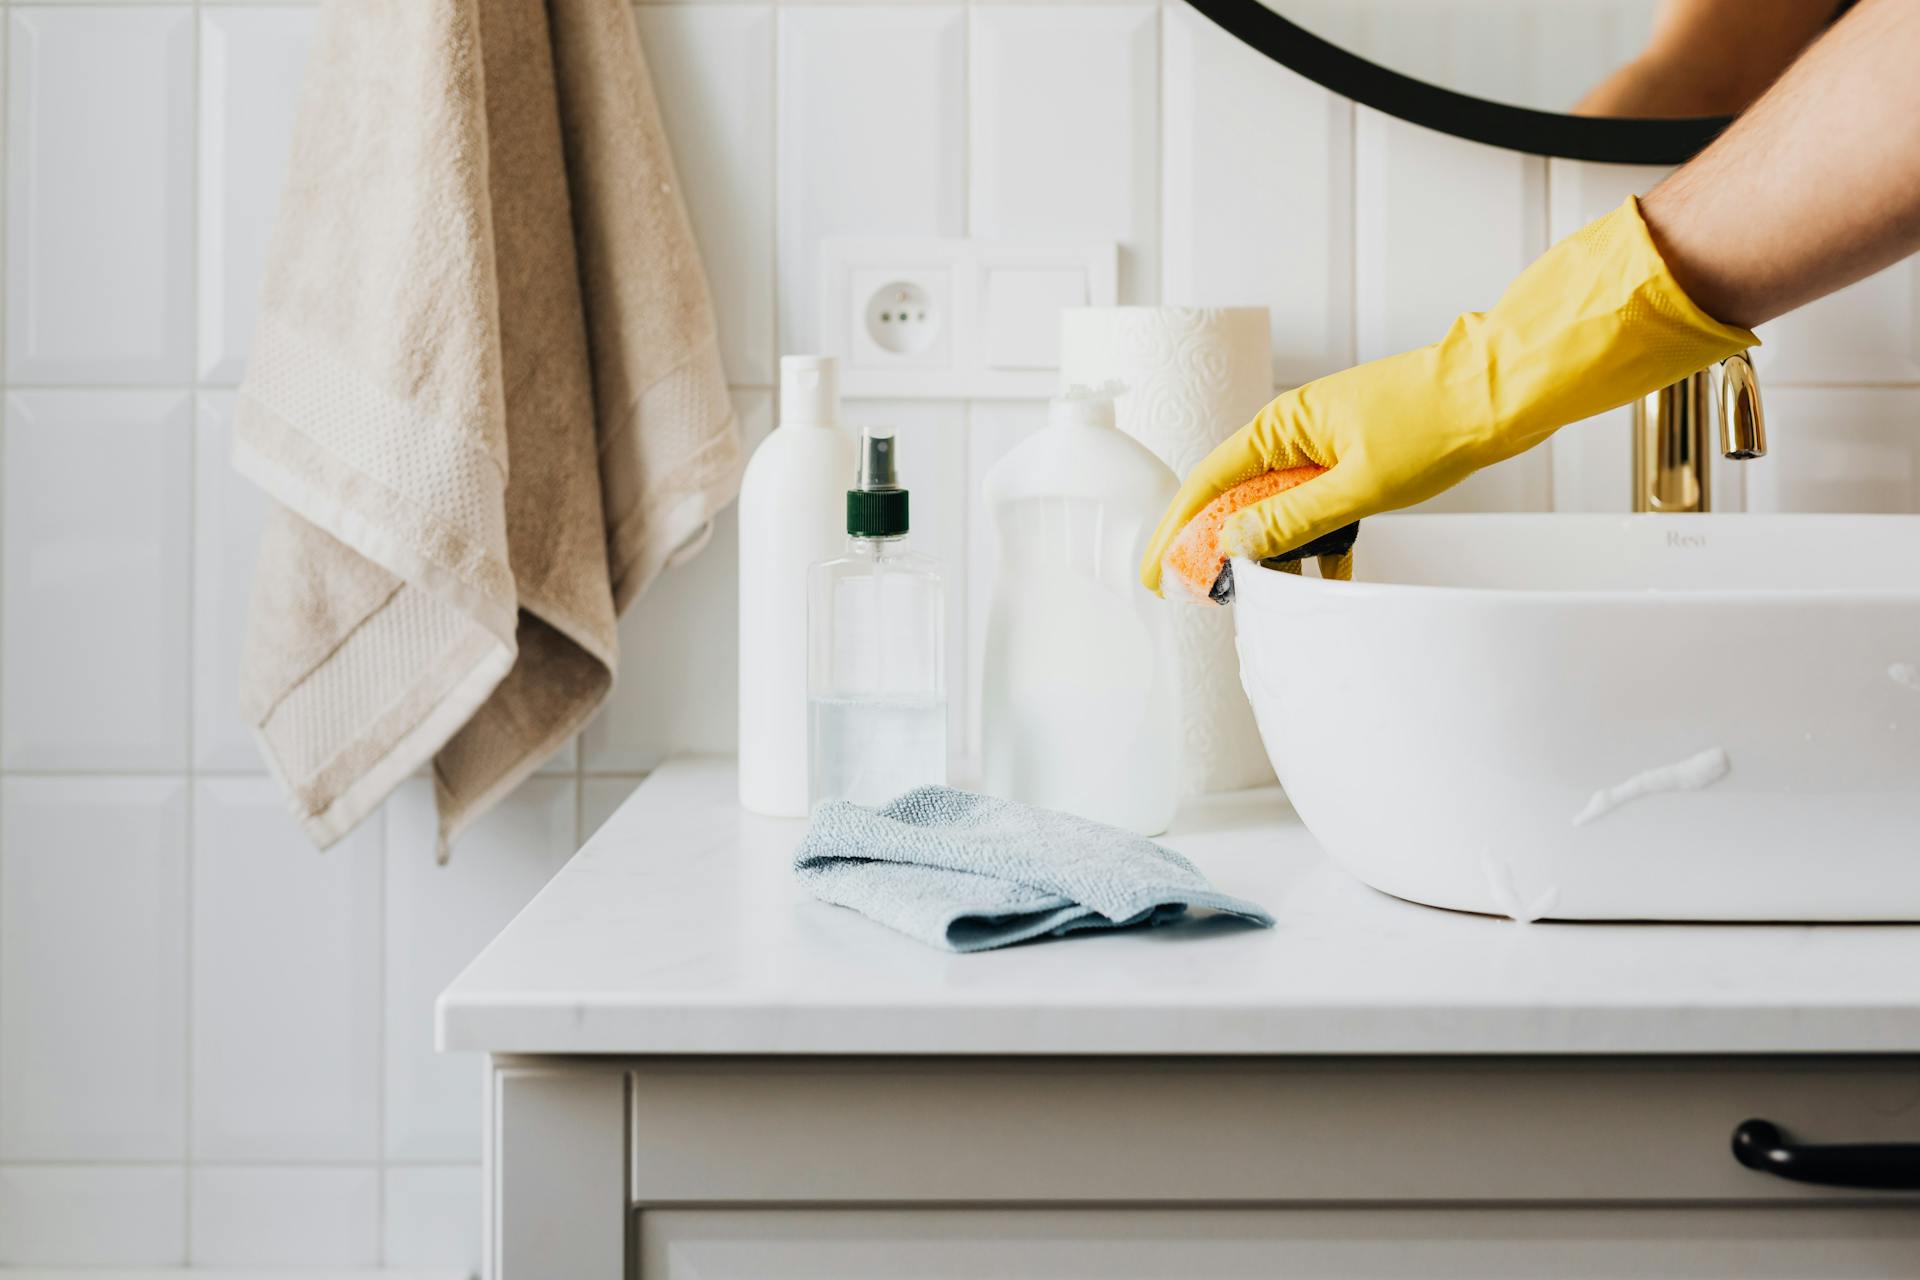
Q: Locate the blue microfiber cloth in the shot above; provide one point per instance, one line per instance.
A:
(966, 872)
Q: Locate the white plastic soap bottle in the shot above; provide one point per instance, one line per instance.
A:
(877, 672)
(792, 513)
(1077, 694)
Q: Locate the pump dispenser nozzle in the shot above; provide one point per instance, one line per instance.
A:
(878, 507)
(876, 459)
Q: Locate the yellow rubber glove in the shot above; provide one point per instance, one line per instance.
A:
(1594, 323)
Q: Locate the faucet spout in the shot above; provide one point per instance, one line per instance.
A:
(1743, 423)
(1672, 471)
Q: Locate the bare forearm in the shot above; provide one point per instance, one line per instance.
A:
(1818, 185)
(1708, 57)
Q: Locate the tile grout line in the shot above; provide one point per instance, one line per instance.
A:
(969, 145)
(6, 435)
(1160, 163)
(957, 575)
(776, 29)
(1164, 211)
(380, 1045)
(193, 588)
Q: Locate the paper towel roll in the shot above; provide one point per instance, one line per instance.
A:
(1193, 376)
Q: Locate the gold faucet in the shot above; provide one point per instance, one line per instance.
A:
(1671, 470)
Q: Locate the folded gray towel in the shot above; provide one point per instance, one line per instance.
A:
(967, 872)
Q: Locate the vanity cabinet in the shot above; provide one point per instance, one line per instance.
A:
(855, 1168)
(695, 1071)
(1258, 1244)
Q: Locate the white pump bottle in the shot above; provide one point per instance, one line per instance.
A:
(792, 513)
(1078, 702)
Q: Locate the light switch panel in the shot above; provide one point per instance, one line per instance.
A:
(941, 318)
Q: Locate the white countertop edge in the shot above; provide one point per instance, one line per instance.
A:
(1036, 1031)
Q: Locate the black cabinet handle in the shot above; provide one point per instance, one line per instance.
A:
(1878, 1166)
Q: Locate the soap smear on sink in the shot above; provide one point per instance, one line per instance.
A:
(1695, 773)
(1505, 888)
(1905, 673)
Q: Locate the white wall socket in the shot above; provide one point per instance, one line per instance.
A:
(903, 319)
(940, 318)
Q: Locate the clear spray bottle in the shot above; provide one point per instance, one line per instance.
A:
(876, 661)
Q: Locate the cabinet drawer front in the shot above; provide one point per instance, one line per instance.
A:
(1801, 1243)
(1245, 1132)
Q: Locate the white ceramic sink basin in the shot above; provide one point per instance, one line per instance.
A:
(1606, 717)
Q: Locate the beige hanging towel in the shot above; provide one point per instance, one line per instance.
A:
(484, 392)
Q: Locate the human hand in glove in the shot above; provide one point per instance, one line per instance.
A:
(1595, 322)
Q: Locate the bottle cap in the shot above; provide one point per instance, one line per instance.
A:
(1084, 406)
(809, 391)
(878, 507)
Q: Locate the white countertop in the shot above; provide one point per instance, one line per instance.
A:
(679, 929)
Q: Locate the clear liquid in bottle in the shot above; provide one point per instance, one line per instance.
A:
(870, 749)
(876, 660)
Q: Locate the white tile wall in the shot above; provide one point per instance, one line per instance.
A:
(1867, 333)
(1839, 449)
(216, 1045)
(1065, 132)
(93, 968)
(251, 60)
(432, 1217)
(249, 1217)
(286, 983)
(95, 538)
(99, 194)
(103, 1216)
(229, 515)
(1258, 184)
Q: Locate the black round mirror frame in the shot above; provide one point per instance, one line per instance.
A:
(1546, 133)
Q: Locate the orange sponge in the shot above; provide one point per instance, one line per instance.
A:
(1193, 562)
